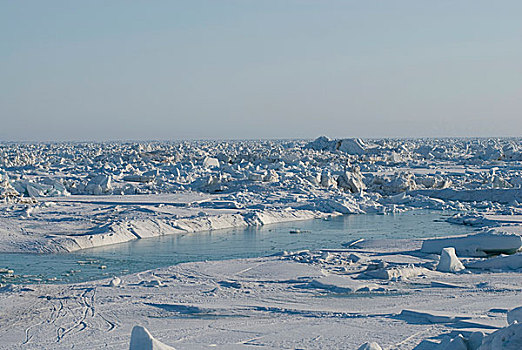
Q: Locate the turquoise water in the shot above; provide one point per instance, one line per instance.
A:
(157, 252)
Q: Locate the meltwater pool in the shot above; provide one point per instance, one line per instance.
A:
(140, 255)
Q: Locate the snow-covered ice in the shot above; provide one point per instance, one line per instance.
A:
(458, 292)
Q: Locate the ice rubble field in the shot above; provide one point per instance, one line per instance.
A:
(458, 292)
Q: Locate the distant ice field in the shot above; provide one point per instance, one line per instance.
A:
(145, 254)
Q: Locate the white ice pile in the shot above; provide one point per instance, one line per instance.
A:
(384, 166)
(252, 179)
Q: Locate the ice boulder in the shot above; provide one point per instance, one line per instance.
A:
(508, 338)
(475, 340)
(99, 184)
(350, 146)
(351, 181)
(141, 339)
(449, 262)
(115, 282)
(457, 343)
(327, 180)
(515, 315)
(370, 346)
(478, 244)
(48, 187)
(210, 162)
(321, 143)
(353, 146)
(6, 189)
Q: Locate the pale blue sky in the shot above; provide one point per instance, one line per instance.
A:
(108, 70)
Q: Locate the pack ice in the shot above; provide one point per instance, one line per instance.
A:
(458, 292)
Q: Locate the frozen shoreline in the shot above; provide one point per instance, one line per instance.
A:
(123, 219)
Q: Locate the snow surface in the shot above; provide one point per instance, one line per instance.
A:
(389, 294)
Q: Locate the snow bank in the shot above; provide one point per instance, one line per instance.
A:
(127, 230)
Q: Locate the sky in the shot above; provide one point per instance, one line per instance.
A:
(77, 70)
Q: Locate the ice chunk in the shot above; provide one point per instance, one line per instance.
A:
(510, 262)
(478, 244)
(515, 315)
(321, 143)
(351, 181)
(100, 184)
(141, 339)
(210, 162)
(115, 282)
(6, 189)
(475, 340)
(508, 338)
(353, 146)
(449, 262)
(457, 343)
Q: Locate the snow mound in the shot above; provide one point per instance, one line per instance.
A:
(141, 339)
